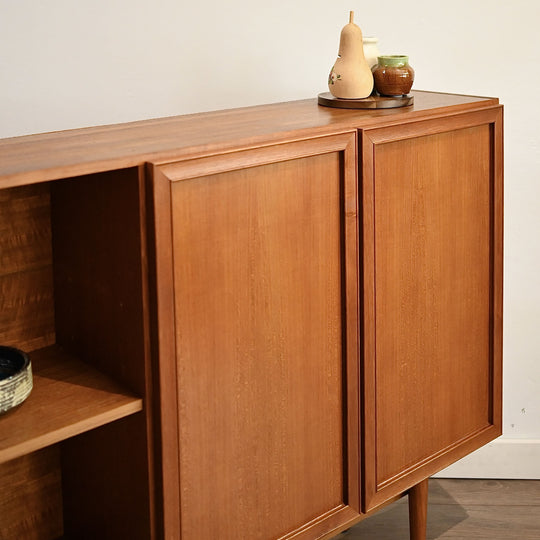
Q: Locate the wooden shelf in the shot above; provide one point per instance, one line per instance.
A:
(69, 397)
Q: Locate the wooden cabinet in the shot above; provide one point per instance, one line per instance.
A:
(263, 323)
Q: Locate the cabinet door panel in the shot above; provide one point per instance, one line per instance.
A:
(433, 354)
(261, 259)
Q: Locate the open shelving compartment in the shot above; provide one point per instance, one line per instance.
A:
(76, 456)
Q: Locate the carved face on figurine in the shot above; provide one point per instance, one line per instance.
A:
(350, 76)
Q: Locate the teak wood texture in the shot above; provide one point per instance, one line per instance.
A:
(49, 156)
(418, 505)
(69, 397)
(432, 201)
(72, 281)
(31, 496)
(266, 340)
(262, 323)
(26, 301)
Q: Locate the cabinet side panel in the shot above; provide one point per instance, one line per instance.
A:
(98, 272)
(260, 353)
(100, 316)
(432, 295)
(104, 486)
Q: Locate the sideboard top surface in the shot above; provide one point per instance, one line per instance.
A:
(49, 156)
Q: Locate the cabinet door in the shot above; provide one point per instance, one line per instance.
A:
(258, 335)
(432, 293)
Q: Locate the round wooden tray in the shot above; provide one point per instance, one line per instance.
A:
(371, 102)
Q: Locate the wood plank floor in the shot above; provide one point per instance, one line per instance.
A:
(463, 509)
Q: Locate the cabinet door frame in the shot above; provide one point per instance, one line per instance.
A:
(374, 494)
(162, 177)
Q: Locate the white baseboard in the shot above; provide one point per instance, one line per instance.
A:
(502, 458)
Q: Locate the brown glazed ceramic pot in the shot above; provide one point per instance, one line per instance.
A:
(393, 76)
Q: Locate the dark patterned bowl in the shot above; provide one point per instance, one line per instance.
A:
(15, 378)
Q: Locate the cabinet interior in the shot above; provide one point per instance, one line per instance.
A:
(74, 458)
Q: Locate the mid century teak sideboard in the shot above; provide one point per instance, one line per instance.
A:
(253, 324)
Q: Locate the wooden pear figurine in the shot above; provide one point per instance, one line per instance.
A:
(350, 77)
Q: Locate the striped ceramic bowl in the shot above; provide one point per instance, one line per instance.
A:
(15, 378)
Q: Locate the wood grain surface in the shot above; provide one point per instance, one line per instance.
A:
(105, 483)
(371, 102)
(418, 506)
(26, 278)
(64, 154)
(254, 320)
(432, 238)
(102, 317)
(262, 345)
(31, 497)
(68, 397)
(98, 274)
(431, 327)
(261, 357)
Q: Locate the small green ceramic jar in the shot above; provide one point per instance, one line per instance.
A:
(392, 75)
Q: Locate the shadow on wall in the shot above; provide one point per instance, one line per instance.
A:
(392, 522)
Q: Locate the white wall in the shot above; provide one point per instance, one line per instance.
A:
(67, 64)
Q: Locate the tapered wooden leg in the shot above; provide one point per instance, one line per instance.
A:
(418, 499)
